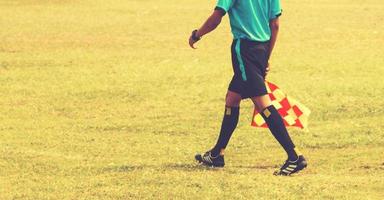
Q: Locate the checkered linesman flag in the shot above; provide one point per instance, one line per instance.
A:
(294, 113)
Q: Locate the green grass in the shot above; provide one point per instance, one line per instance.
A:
(105, 100)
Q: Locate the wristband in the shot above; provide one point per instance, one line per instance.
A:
(194, 36)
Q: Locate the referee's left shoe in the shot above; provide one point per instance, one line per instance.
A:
(292, 167)
(208, 160)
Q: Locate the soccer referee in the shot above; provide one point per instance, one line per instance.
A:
(255, 26)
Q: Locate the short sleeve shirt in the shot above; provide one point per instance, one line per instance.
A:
(249, 19)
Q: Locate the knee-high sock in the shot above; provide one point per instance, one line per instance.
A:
(276, 126)
(230, 120)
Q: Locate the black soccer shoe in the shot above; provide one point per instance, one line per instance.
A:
(208, 160)
(291, 167)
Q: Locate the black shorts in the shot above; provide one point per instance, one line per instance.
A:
(249, 61)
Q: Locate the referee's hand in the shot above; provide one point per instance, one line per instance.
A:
(192, 42)
(193, 39)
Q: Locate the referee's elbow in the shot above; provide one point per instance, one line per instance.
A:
(274, 24)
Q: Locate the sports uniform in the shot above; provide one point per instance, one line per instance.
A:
(249, 21)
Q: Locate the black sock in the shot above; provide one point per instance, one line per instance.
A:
(276, 125)
(231, 117)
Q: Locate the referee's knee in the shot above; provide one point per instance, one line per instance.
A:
(261, 102)
(232, 99)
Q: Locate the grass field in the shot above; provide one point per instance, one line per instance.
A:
(105, 100)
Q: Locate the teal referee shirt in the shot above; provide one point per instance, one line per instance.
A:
(250, 18)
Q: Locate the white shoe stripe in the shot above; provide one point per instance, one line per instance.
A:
(286, 171)
(207, 159)
(290, 168)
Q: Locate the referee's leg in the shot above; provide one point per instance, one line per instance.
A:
(296, 161)
(276, 124)
(230, 120)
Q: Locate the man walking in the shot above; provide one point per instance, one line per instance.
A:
(255, 26)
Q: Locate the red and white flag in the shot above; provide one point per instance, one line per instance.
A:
(294, 113)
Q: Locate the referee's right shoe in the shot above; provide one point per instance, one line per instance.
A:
(208, 160)
(292, 167)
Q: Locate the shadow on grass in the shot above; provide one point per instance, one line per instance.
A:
(259, 167)
(126, 168)
(187, 167)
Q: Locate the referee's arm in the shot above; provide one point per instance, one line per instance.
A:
(210, 24)
(274, 25)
